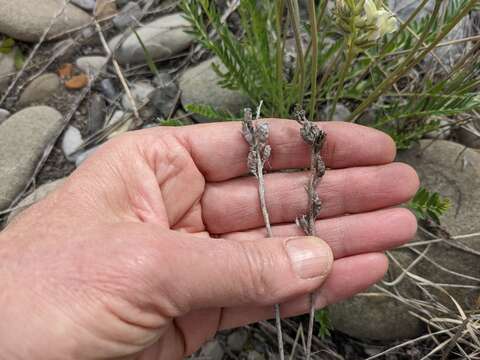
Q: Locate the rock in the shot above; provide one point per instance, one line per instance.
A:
(4, 114)
(39, 194)
(91, 64)
(140, 92)
(71, 141)
(199, 85)
(443, 132)
(212, 350)
(27, 21)
(164, 96)
(105, 9)
(7, 69)
(342, 113)
(469, 135)
(23, 139)
(236, 340)
(163, 38)
(77, 82)
(117, 117)
(85, 4)
(129, 15)
(108, 89)
(40, 89)
(96, 113)
(81, 157)
(447, 168)
(255, 355)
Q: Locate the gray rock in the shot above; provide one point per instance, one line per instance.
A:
(40, 89)
(108, 89)
(81, 157)
(4, 114)
(71, 141)
(91, 64)
(199, 85)
(39, 194)
(23, 139)
(212, 350)
(27, 20)
(342, 113)
(164, 96)
(236, 340)
(130, 14)
(469, 135)
(96, 113)
(163, 38)
(140, 91)
(255, 355)
(7, 69)
(85, 4)
(444, 167)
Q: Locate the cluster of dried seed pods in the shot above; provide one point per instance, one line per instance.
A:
(256, 135)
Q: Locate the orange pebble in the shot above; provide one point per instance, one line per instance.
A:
(77, 82)
(65, 71)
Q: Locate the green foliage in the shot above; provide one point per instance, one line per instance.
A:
(210, 112)
(148, 56)
(6, 46)
(427, 205)
(323, 319)
(341, 57)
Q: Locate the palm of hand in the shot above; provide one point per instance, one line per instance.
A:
(167, 204)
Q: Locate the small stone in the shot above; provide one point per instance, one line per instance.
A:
(140, 91)
(72, 140)
(91, 64)
(105, 9)
(27, 20)
(200, 85)
(468, 135)
(81, 157)
(77, 82)
(24, 137)
(255, 355)
(108, 89)
(40, 89)
(212, 350)
(39, 194)
(65, 71)
(88, 5)
(116, 117)
(341, 113)
(236, 341)
(129, 15)
(164, 96)
(7, 70)
(4, 114)
(96, 113)
(163, 38)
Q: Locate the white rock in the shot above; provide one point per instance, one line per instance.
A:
(85, 155)
(72, 140)
(91, 64)
(27, 20)
(7, 69)
(140, 92)
(163, 38)
(116, 117)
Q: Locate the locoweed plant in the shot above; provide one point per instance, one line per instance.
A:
(357, 53)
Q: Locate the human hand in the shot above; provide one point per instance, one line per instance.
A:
(156, 242)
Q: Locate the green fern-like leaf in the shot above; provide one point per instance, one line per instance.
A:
(210, 112)
(322, 317)
(429, 205)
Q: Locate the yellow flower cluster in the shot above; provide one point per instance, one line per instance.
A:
(384, 22)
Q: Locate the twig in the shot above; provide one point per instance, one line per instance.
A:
(119, 73)
(315, 137)
(256, 135)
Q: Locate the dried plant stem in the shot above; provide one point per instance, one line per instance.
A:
(257, 137)
(314, 137)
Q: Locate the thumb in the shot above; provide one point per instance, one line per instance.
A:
(220, 273)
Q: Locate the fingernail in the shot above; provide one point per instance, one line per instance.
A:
(310, 256)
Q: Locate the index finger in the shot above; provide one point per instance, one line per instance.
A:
(220, 152)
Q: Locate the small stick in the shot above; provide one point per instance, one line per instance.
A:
(257, 137)
(315, 137)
